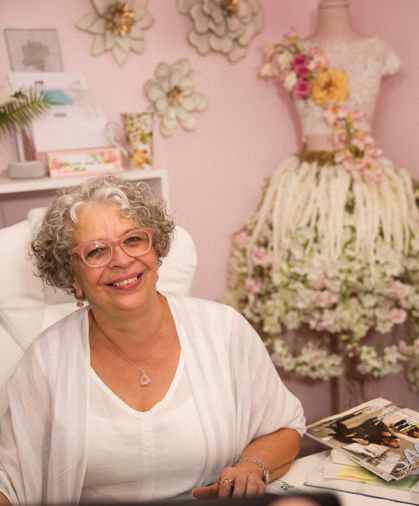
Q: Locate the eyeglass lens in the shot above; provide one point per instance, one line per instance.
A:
(98, 253)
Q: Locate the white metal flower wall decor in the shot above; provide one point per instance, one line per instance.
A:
(172, 95)
(117, 26)
(226, 26)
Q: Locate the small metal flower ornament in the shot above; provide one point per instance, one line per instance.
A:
(117, 26)
(172, 95)
(226, 26)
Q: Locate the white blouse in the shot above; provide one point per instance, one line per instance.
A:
(238, 395)
(143, 456)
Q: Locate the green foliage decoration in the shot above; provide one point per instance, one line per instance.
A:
(21, 108)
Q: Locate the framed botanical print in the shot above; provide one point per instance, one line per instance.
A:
(36, 50)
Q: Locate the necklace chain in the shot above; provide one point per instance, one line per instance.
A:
(144, 378)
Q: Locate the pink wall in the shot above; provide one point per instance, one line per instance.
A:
(216, 172)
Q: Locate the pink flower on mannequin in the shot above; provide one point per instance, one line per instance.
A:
(261, 256)
(317, 61)
(299, 65)
(252, 285)
(302, 71)
(398, 315)
(298, 60)
(327, 298)
(321, 322)
(302, 89)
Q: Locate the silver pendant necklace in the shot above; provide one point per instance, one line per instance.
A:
(143, 377)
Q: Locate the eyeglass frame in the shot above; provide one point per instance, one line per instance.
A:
(117, 242)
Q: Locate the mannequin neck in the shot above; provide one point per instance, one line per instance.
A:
(334, 22)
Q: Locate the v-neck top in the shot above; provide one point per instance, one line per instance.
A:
(143, 455)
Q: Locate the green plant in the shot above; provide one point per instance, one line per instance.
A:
(19, 108)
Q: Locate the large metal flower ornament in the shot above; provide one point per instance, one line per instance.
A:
(172, 95)
(117, 26)
(226, 26)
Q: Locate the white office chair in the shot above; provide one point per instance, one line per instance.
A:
(28, 306)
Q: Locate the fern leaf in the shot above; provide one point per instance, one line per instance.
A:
(23, 109)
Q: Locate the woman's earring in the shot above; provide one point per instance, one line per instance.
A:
(80, 302)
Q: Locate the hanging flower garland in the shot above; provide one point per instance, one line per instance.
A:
(225, 26)
(317, 300)
(118, 27)
(172, 95)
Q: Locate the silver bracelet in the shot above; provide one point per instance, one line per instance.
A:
(261, 465)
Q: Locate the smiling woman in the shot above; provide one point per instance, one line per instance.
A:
(178, 394)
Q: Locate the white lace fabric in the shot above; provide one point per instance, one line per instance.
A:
(365, 61)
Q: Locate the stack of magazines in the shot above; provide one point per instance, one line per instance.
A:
(380, 437)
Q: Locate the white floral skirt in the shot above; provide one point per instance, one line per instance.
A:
(331, 255)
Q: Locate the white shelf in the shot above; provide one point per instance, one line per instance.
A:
(8, 185)
(18, 196)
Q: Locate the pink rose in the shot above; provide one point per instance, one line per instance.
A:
(301, 71)
(298, 60)
(398, 315)
(252, 285)
(261, 256)
(327, 298)
(302, 89)
(398, 290)
(321, 322)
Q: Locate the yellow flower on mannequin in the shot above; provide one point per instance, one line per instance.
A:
(117, 26)
(330, 86)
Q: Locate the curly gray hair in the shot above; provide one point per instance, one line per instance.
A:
(50, 247)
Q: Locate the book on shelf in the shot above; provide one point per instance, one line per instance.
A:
(378, 435)
(337, 472)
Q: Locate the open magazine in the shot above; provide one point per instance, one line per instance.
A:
(377, 435)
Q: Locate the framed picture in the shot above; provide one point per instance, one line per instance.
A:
(33, 50)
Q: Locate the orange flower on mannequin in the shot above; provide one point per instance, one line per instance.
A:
(330, 86)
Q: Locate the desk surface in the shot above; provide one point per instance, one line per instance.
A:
(299, 469)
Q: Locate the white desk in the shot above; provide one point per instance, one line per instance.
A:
(299, 469)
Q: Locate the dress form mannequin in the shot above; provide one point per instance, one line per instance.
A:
(333, 26)
(334, 23)
(327, 208)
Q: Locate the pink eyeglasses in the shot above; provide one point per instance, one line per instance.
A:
(98, 252)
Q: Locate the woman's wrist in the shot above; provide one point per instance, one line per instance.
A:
(256, 463)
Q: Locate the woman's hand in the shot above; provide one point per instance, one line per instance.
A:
(3, 499)
(238, 481)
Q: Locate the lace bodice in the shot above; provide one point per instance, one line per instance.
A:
(365, 61)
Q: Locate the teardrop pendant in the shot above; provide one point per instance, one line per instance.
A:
(144, 378)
